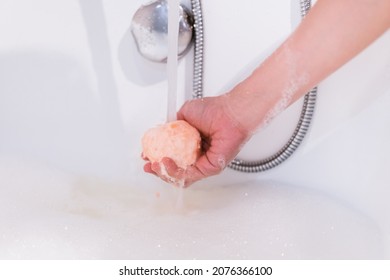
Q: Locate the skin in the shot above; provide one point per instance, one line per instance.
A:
(341, 29)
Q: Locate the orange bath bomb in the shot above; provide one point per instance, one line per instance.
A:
(177, 140)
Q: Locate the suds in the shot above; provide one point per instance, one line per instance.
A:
(221, 162)
(286, 98)
(296, 80)
(47, 214)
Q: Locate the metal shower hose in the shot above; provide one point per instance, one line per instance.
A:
(305, 117)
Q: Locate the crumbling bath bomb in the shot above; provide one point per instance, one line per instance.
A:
(177, 140)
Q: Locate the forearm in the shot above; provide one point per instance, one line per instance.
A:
(332, 33)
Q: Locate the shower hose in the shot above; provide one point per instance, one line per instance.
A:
(306, 113)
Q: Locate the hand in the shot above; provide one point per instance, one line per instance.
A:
(226, 122)
(222, 139)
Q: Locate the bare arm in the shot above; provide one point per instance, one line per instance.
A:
(333, 32)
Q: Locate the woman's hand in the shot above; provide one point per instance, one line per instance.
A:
(222, 139)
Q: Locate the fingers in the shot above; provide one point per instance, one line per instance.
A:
(171, 168)
(148, 165)
(185, 177)
(202, 169)
(148, 168)
(169, 172)
(205, 166)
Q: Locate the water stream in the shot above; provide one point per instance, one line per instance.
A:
(172, 62)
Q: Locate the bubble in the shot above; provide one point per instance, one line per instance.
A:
(221, 162)
(294, 85)
(215, 221)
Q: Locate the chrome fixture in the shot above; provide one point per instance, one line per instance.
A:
(149, 27)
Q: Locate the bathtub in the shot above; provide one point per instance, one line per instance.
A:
(76, 97)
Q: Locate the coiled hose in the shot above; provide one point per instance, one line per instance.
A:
(305, 117)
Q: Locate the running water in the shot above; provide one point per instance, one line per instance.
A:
(172, 61)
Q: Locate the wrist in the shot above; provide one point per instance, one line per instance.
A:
(247, 104)
(269, 90)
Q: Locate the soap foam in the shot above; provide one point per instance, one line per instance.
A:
(286, 98)
(222, 162)
(49, 214)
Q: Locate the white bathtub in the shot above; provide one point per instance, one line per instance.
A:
(75, 98)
